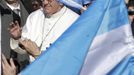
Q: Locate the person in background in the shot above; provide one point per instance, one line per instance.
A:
(12, 11)
(28, 5)
(131, 14)
(36, 4)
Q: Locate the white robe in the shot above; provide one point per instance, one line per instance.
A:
(45, 31)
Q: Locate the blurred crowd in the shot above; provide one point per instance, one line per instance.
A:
(29, 27)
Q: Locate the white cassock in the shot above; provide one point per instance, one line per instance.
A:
(45, 31)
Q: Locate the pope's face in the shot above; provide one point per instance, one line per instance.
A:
(51, 6)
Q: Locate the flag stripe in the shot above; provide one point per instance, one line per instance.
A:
(102, 58)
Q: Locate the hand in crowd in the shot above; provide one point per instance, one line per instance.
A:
(15, 30)
(8, 68)
(85, 6)
(83, 9)
(30, 47)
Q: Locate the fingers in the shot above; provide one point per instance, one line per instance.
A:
(25, 43)
(13, 25)
(30, 47)
(4, 68)
(21, 41)
(16, 23)
(12, 63)
(8, 68)
(3, 65)
(4, 60)
(84, 8)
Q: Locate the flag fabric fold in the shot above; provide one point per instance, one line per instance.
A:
(125, 67)
(72, 3)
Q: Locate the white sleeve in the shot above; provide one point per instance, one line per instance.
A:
(15, 46)
(26, 30)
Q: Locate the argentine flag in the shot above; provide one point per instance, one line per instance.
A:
(107, 21)
(112, 44)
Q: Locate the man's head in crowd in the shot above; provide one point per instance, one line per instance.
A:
(51, 7)
(131, 9)
(36, 4)
(11, 1)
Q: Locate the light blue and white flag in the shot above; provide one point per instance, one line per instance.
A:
(113, 42)
(66, 56)
(73, 4)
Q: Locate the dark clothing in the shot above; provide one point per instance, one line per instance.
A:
(8, 16)
(28, 5)
(132, 26)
